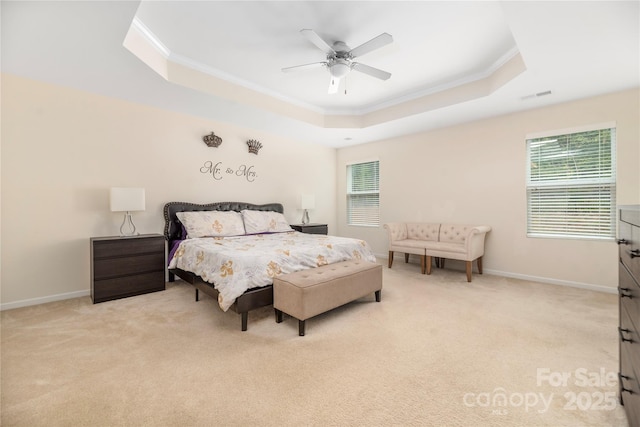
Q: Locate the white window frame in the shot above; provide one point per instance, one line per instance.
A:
(556, 202)
(363, 206)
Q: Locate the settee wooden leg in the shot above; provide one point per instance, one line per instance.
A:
(423, 263)
(406, 257)
(378, 296)
(469, 268)
(301, 328)
(278, 316)
(429, 258)
(479, 262)
(390, 258)
(197, 295)
(441, 262)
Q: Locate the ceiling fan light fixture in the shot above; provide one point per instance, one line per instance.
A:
(339, 69)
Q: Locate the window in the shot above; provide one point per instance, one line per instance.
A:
(571, 185)
(363, 194)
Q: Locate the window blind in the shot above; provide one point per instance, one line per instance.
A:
(363, 193)
(571, 185)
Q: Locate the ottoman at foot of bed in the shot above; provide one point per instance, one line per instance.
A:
(307, 293)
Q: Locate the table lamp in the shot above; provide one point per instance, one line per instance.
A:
(127, 200)
(307, 202)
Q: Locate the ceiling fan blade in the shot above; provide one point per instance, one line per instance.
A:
(304, 66)
(373, 72)
(334, 85)
(318, 41)
(373, 44)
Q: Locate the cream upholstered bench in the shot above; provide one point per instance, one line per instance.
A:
(307, 293)
(453, 241)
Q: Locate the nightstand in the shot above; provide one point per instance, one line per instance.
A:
(126, 266)
(311, 228)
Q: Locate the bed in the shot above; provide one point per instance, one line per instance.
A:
(238, 269)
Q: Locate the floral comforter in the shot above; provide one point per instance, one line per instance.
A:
(236, 264)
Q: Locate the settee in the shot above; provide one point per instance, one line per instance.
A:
(439, 241)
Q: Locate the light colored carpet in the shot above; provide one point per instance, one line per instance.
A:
(437, 351)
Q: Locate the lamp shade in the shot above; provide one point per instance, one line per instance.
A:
(127, 199)
(339, 69)
(308, 201)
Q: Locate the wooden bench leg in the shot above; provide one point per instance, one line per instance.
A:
(406, 257)
(278, 316)
(301, 328)
(479, 262)
(469, 268)
(378, 296)
(390, 258)
(245, 318)
(429, 264)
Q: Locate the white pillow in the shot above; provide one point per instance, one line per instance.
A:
(264, 222)
(211, 223)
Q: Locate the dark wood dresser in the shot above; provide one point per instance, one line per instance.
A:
(629, 296)
(126, 266)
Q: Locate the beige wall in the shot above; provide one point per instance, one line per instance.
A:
(63, 149)
(475, 173)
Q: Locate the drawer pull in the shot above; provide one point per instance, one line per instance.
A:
(622, 241)
(624, 331)
(634, 253)
(625, 293)
(622, 387)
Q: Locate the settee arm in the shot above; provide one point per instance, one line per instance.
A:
(474, 241)
(396, 231)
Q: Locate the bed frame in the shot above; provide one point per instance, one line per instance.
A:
(252, 298)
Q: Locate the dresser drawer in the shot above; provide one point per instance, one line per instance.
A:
(629, 384)
(629, 293)
(123, 246)
(311, 228)
(629, 338)
(109, 289)
(123, 266)
(630, 249)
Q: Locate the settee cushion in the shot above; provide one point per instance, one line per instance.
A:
(444, 247)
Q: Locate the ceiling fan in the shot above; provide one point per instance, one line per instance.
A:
(340, 58)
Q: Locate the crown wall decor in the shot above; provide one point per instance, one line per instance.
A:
(254, 146)
(212, 140)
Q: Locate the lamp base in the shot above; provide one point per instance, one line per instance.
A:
(128, 228)
(305, 217)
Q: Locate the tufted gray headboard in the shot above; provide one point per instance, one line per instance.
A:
(173, 228)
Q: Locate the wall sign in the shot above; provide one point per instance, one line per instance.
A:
(219, 171)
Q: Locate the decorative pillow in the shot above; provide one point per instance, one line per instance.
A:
(264, 222)
(211, 223)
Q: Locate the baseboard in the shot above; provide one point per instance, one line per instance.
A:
(592, 287)
(550, 281)
(42, 300)
(547, 280)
